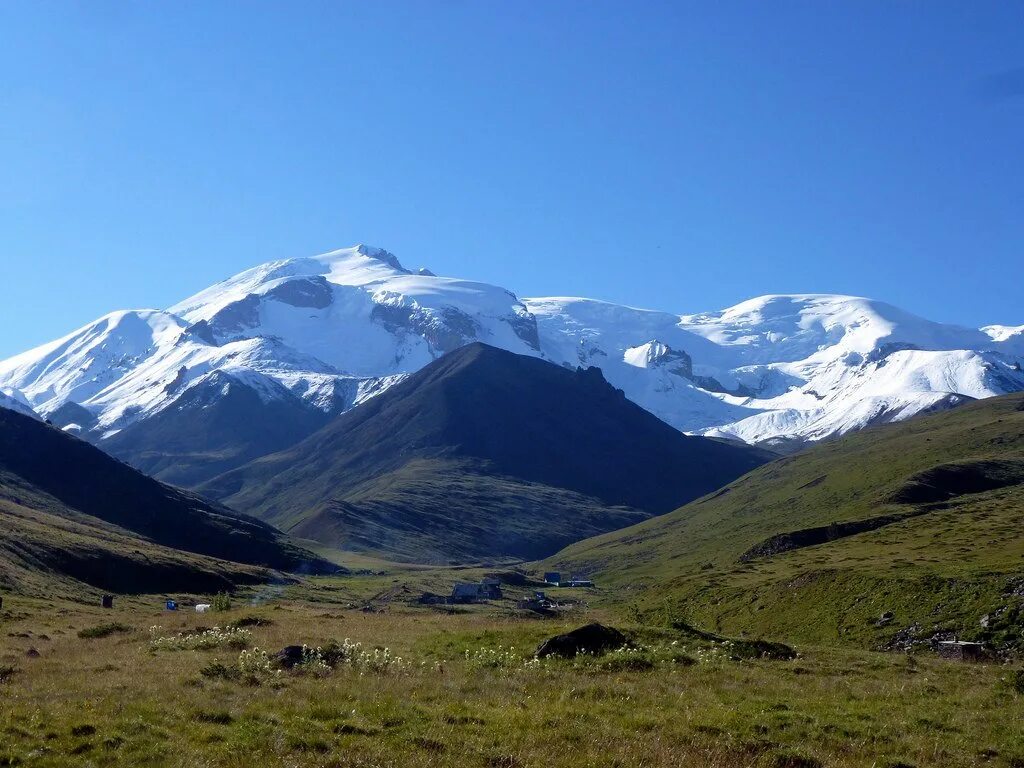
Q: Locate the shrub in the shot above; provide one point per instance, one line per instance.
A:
(221, 602)
(1015, 679)
(256, 667)
(313, 662)
(103, 630)
(379, 660)
(197, 641)
(218, 670)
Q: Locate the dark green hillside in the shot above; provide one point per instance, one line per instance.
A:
(47, 549)
(922, 518)
(482, 454)
(70, 510)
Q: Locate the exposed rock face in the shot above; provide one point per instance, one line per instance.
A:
(72, 413)
(524, 325)
(593, 638)
(889, 348)
(179, 379)
(655, 354)
(314, 292)
(445, 330)
(236, 318)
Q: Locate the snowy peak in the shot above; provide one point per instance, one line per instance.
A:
(654, 354)
(785, 328)
(358, 310)
(14, 400)
(318, 335)
(82, 364)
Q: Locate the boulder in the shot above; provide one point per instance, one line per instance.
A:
(593, 638)
(289, 656)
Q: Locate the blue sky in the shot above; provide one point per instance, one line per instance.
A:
(673, 155)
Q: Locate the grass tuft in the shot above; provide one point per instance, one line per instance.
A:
(103, 630)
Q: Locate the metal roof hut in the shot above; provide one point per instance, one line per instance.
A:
(960, 650)
(490, 591)
(465, 593)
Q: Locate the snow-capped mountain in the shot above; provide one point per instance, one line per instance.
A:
(15, 401)
(276, 350)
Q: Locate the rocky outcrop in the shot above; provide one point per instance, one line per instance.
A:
(592, 638)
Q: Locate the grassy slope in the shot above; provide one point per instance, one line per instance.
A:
(110, 701)
(46, 549)
(944, 568)
(71, 513)
(482, 454)
(398, 514)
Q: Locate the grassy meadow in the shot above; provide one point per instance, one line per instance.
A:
(955, 557)
(457, 686)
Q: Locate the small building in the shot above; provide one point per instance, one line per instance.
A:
(470, 593)
(491, 581)
(553, 577)
(579, 581)
(960, 650)
(490, 591)
(465, 593)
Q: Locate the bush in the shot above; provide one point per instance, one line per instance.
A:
(218, 670)
(256, 667)
(103, 630)
(199, 641)
(1016, 681)
(379, 660)
(221, 602)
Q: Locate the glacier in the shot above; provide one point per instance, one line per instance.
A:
(325, 333)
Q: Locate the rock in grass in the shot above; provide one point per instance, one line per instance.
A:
(290, 656)
(593, 638)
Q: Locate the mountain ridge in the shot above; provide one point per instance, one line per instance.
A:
(317, 336)
(482, 454)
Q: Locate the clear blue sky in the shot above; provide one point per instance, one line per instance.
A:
(672, 155)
